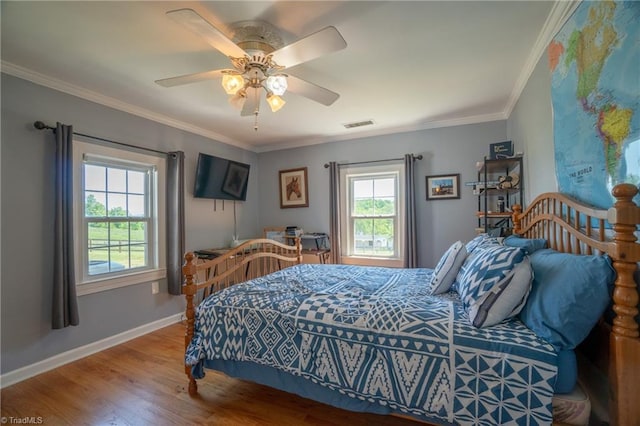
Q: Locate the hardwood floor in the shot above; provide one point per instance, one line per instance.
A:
(142, 382)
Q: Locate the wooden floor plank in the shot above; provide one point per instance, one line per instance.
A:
(142, 382)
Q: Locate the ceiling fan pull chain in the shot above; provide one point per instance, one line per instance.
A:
(255, 124)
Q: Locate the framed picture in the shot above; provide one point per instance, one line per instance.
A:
(501, 150)
(235, 179)
(443, 187)
(294, 191)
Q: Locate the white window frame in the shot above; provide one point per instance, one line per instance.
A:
(348, 175)
(156, 269)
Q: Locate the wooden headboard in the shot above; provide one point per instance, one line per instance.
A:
(573, 227)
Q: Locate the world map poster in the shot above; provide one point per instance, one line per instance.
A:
(595, 90)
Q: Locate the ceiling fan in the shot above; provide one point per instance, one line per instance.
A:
(259, 57)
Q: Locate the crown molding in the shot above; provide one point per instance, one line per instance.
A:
(560, 12)
(62, 86)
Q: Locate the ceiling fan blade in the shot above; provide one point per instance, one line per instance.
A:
(251, 102)
(196, 23)
(190, 78)
(313, 46)
(312, 91)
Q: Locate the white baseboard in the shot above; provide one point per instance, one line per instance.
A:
(55, 361)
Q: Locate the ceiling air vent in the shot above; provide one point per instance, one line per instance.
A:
(358, 124)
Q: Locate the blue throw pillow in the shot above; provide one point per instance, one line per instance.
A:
(529, 245)
(494, 283)
(568, 295)
(481, 240)
(447, 268)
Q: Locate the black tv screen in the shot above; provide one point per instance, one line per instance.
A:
(220, 179)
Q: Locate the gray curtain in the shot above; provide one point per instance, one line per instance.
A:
(175, 221)
(334, 211)
(411, 246)
(65, 302)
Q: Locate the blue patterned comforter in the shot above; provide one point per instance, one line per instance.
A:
(376, 335)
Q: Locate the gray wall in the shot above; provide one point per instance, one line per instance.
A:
(445, 150)
(27, 222)
(530, 126)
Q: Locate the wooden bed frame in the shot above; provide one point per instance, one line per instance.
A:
(568, 225)
(572, 227)
(252, 259)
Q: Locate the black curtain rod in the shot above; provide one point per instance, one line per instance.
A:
(41, 126)
(415, 157)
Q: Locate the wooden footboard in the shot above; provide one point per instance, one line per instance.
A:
(252, 259)
(572, 227)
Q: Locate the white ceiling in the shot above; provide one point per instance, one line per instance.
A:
(457, 62)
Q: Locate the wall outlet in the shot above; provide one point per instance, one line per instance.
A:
(155, 287)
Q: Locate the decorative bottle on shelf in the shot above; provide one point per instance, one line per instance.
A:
(501, 204)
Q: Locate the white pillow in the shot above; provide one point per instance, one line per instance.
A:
(447, 268)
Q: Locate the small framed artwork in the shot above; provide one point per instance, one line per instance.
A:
(235, 179)
(294, 190)
(501, 150)
(443, 187)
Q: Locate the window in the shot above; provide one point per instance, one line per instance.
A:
(119, 217)
(372, 217)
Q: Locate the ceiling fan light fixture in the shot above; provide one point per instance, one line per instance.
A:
(275, 102)
(259, 56)
(277, 84)
(237, 100)
(232, 83)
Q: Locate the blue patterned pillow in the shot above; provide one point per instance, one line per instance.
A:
(482, 240)
(447, 268)
(494, 283)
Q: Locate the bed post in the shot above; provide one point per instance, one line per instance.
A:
(624, 365)
(189, 290)
(299, 249)
(517, 218)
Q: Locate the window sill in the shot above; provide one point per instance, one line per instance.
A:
(372, 261)
(90, 287)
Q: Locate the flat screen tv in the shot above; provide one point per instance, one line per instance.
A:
(220, 179)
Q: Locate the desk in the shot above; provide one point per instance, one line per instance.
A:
(225, 264)
(208, 254)
(322, 256)
(317, 241)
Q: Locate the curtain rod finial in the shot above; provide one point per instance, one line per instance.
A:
(40, 125)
